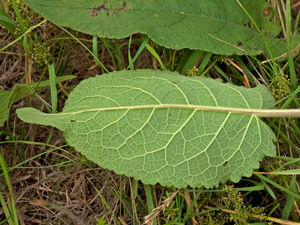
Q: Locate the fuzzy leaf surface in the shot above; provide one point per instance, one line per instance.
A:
(184, 24)
(145, 124)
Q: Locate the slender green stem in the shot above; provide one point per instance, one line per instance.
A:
(149, 200)
(141, 48)
(13, 210)
(17, 39)
(96, 59)
(288, 39)
(153, 52)
(19, 16)
(53, 88)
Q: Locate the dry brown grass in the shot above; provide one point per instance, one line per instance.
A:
(46, 193)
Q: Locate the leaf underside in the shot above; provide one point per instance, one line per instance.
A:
(172, 146)
(194, 24)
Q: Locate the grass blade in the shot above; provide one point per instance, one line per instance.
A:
(13, 206)
(290, 200)
(53, 88)
(7, 22)
(288, 39)
(95, 50)
(129, 55)
(19, 16)
(153, 52)
(141, 48)
(20, 37)
(104, 202)
(149, 200)
(196, 55)
(278, 186)
(83, 46)
(204, 62)
(6, 211)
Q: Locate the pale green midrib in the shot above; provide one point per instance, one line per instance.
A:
(255, 112)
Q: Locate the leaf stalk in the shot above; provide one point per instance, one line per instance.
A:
(255, 112)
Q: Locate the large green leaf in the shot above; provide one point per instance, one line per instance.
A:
(162, 127)
(170, 23)
(20, 91)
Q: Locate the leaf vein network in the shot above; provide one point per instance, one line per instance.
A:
(242, 139)
(177, 87)
(209, 144)
(113, 122)
(179, 129)
(239, 93)
(128, 138)
(208, 89)
(139, 89)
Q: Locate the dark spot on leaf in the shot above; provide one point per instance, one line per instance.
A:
(170, 114)
(173, 82)
(73, 121)
(115, 10)
(94, 12)
(239, 44)
(249, 48)
(225, 163)
(256, 49)
(267, 11)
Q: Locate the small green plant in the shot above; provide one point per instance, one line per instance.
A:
(101, 221)
(237, 211)
(218, 217)
(242, 212)
(171, 215)
(40, 54)
(277, 87)
(193, 72)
